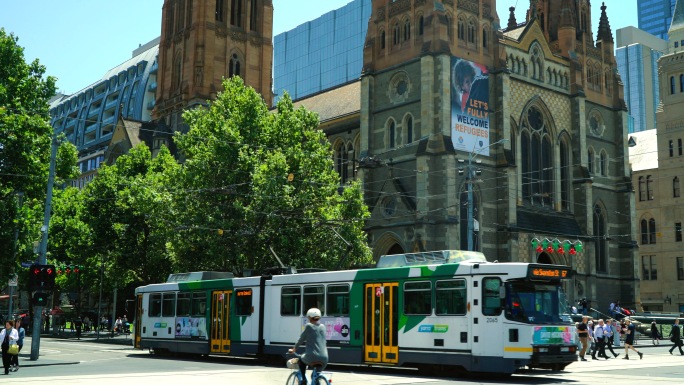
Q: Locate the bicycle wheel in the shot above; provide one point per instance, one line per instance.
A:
(293, 379)
(320, 380)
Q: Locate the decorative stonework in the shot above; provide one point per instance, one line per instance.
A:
(238, 36)
(399, 6)
(595, 123)
(470, 6)
(486, 11)
(381, 14)
(255, 41)
(522, 93)
(399, 87)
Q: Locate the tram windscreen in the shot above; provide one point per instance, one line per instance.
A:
(534, 303)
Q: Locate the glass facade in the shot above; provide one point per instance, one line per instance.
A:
(322, 53)
(636, 74)
(655, 16)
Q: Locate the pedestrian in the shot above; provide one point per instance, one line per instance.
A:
(8, 336)
(118, 324)
(630, 331)
(599, 335)
(616, 333)
(583, 334)
(676, 337)
(592, 340)
(655, 334)
(608, 333)
(14, 363)
(79, 326)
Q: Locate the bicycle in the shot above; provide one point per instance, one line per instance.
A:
(295, 378)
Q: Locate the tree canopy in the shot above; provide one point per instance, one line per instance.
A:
(256, 180)
(25, 139)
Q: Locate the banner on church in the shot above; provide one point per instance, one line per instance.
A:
(469, 106)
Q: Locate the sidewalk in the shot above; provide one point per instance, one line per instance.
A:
(105, 337)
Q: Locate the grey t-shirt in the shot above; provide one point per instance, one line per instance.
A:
(316, 348)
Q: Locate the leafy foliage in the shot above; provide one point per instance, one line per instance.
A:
(257, 180)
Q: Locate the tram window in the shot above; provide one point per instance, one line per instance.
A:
(418, 298)
(337, 301)
(243, 302)
(169, 305)
(450, 297)
(290, 301)
(155, 305)
(491, 299)
(314, 296)
(199, 304)
(183, 305)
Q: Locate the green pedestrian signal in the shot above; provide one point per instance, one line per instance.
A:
(39, 299)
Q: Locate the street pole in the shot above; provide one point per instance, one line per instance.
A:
(20, 196)
(42, 252)
(469, 181)
(471, 175)
(99, 302)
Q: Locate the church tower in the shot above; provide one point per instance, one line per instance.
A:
(204, 41)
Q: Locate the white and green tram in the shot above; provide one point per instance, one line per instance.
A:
(445, 309)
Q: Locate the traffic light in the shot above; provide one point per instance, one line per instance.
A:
(42, 277)
(39, 299)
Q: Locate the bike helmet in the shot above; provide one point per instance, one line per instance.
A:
(313, 313)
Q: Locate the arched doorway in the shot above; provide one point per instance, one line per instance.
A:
(395, 249)
(544, 258)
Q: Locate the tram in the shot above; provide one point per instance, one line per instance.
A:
(445, 308)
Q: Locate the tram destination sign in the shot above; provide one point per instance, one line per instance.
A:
(548, 272)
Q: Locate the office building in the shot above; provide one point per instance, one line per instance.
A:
(322, 53)
(655, 16)
(658, 174)
(637, 56)
(89, 117)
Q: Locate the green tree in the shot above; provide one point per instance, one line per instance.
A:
(255, 180)
(25, 138)
(127, 209)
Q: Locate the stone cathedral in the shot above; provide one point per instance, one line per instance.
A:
(466, 132)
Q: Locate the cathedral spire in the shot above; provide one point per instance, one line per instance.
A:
(604, 32)
(511, 18)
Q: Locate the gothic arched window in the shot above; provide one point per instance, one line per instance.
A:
(537, 158)
(236, 13)
(600, 235)
(234, 66)
(392, 132)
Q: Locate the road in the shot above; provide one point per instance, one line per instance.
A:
(76, 362)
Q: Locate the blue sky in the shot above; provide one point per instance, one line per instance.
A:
(70, 37)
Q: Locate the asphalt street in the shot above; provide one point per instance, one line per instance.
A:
(114, 361)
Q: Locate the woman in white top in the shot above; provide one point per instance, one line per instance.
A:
(8, 336)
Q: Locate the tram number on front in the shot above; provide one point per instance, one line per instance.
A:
(492, 320)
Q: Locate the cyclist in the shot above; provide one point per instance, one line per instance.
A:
(316, 348)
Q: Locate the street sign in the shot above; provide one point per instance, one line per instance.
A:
(27, 264)
(14, 280)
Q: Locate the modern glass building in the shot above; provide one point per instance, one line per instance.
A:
(88, 117)
(655, 16)
(322, 53)
(637, 57)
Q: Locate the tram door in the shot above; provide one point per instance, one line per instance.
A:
(138, 320)
(220, 327)
(380, 322)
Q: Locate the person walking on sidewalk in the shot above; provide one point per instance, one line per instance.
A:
(599, 336)
(630, 331)
(583, 334)
(14, 362)
(676, 337)
(655, 334)
(8, 336)
(608, 333)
